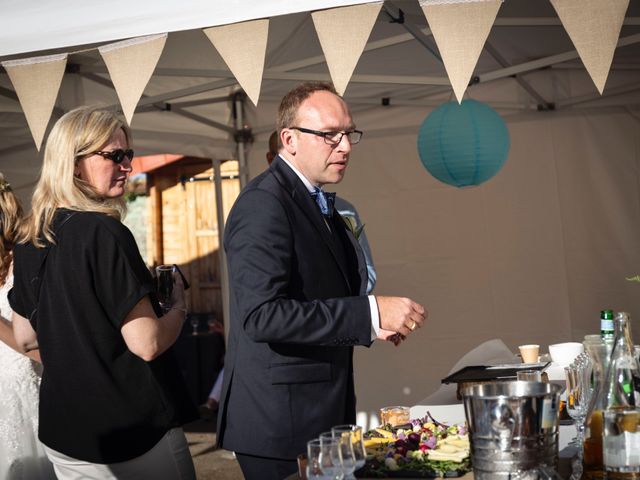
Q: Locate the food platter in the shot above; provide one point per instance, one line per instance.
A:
(423, 448)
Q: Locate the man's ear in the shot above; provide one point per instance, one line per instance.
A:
(289, 141)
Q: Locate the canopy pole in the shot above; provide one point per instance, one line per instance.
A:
(222, 258)
(242, 135)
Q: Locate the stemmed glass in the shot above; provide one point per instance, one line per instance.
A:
(348, 463)
(323, 460)
(578, 376)
(354, 433)
(195, 322)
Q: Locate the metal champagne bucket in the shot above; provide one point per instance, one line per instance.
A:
(513, 428)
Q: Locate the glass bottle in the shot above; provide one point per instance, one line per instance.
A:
(599, 350)
(622, 386)
(606, 324)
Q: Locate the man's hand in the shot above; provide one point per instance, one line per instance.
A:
(399, 317)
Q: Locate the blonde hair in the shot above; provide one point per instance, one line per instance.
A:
(11, 221)
(75, 135)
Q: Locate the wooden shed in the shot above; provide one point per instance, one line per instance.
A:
(184, 220)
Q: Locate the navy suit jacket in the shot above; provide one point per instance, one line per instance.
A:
(297, 308)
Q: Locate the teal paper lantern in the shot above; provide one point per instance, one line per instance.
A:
(463, 144)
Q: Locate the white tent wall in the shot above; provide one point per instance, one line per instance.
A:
(531, 256)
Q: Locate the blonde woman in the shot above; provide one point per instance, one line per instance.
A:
(21, 454)
(112, 398)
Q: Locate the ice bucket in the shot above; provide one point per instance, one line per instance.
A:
(513, 428)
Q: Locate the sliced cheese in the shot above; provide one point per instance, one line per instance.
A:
(457, 457)
(371, 442)
(384, 433)
(445, 448)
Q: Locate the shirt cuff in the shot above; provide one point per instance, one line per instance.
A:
(375, 317)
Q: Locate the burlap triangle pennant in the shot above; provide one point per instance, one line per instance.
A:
(343, 34)
(460, 31)
(243, 47)
(131, 64)
(37, 82)
(594, 27)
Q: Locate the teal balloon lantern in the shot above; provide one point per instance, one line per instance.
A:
(463, 144)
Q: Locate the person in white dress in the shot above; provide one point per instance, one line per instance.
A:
(22, 456)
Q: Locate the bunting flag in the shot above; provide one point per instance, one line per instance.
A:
(243, 47)
(594, 28)
(37, 82)
(343, 33)
(460, 29)
(130, 64)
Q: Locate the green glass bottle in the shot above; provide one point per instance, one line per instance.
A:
(606, 324)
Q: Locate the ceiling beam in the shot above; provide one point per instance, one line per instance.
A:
(546, 61)
(8, 93)
(608, 92)
(147, 101)
(543, 104)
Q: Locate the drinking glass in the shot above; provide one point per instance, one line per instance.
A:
(354, 432)
(330, 456)
(320, 464)
(194, 321)
(164, 279)
(578, 396)
(346, 452)
(529, 375)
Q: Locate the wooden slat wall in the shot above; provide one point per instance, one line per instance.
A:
(184, 227)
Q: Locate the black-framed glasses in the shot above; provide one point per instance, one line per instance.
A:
(116, 156)
(333, 138)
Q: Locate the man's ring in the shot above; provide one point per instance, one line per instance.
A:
(413, 326)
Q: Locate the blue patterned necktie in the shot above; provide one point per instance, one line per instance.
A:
(324, 200)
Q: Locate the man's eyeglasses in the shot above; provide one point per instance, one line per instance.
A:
(333, 138)
(116, 156)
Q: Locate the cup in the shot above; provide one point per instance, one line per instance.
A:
(564, 353)
(164, 284)
(529, 375)
(394, 415)
(529, 353)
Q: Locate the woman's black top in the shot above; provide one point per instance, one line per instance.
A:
(98, 401)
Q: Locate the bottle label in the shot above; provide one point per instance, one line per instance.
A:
(606, 327)
(622, 452)
(621, 446)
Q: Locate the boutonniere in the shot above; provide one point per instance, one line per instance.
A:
(352, 225)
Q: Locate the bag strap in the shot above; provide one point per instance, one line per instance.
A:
(36, 281)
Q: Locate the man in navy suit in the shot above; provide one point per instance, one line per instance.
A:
(297, 294)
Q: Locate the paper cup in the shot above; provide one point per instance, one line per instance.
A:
(529, 353)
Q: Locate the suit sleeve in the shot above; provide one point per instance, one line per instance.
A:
(259, 243)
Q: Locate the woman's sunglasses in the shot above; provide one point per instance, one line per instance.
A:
(116, 156)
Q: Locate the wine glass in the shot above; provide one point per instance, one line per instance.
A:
(194, 321)
(357, 444)
(577, 397)
(323, 460)
(346, 452)
(165, 281)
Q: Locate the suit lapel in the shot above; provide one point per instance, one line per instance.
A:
(301, 197)
(339, 223)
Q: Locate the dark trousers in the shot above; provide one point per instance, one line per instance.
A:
(264, 468)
